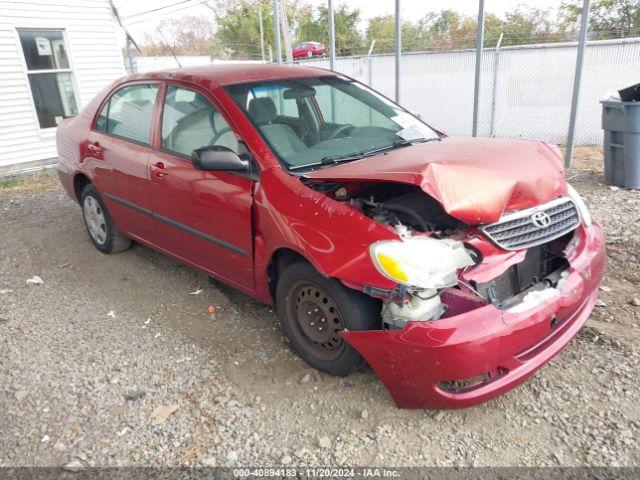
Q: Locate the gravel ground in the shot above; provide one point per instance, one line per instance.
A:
(111, 361)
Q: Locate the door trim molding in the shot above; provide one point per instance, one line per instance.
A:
(181, 226)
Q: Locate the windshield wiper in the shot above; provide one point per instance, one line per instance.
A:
(403, 142)
(330, 159)
(334, 159)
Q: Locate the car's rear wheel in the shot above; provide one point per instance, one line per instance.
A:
(100, 224)
(314, 310)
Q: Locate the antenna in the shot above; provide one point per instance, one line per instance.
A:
(129, 38)
(126, 32)
(169, 47)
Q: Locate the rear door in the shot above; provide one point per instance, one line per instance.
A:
(202, 217)
(118, 148)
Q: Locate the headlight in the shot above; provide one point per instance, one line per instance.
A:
(585, 216)
(421, 262)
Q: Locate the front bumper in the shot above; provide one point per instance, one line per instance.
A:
(499, 347)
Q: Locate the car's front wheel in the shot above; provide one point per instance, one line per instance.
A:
(314, 310)
(100, 224)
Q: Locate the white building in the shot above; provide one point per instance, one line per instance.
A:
(55, 56)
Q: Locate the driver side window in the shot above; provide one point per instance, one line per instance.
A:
(190, 121)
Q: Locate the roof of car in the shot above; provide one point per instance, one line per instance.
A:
(230, 73)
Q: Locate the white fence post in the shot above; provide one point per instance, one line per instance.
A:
(476, 87)
(494, 91)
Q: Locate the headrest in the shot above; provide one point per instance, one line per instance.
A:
(262, 110)
(219, 122)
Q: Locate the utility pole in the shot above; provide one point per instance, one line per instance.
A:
(285, 33)
(261, 30)
(276, 25)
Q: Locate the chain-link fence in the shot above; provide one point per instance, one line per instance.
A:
(525, 91)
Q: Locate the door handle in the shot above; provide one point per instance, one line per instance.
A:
(95, 147)
(158, 169)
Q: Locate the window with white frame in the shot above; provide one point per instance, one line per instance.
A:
(49, 72)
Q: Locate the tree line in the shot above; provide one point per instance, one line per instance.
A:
(232, 30)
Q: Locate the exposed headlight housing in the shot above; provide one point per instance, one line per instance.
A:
(421, 262)
(583, 211)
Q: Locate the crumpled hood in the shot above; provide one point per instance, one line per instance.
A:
(474, 179)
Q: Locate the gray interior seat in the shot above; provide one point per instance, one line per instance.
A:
(263, 112)
(191, 132)
(225, 136)
(204, 127)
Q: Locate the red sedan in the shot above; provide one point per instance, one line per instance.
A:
(455, 267)
(308, 50)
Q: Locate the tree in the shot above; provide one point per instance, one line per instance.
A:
(187, 35)
(238, 34)
(607, 18)
(382, 29)
(238, 28)
(527, 25)
(313, 25)
(493, 27)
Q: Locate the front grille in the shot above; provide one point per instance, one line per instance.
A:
(517, 231)
(542, 263)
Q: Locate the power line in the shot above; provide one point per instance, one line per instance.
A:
(166, 13)
(156, 9)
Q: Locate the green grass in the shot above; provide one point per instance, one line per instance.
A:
(8, 183)
(38, 182)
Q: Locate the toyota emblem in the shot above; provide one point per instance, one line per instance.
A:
(541, 219)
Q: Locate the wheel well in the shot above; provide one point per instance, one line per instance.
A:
(79, 182)
(280, 259)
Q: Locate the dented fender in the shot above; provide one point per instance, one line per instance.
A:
(333, 236)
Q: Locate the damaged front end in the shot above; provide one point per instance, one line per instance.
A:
(475, 309)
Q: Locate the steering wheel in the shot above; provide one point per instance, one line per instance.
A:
(341, 131)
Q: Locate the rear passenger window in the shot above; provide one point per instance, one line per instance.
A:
(129, 112)
(190, 121)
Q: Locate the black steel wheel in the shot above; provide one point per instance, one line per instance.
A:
(315, 309)
(318, 320)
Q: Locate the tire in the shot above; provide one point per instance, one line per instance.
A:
(313, 309)
(99, 223)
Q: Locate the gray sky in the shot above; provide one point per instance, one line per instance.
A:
(410, 9)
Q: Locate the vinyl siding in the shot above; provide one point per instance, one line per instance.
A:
(91, 36)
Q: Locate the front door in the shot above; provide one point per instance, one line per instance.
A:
(118, 148)
(202, 217)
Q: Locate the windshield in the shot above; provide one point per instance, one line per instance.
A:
(314, 121)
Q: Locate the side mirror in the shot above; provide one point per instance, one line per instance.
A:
(218, 158)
